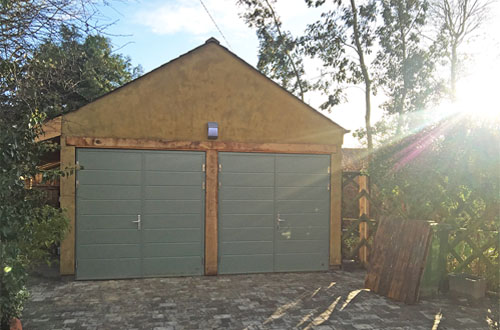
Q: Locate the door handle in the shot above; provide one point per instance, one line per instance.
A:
(138, 222)
(279, 220)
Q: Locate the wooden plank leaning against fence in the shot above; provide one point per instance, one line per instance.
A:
(398, 258)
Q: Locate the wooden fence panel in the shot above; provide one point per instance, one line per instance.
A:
(398, 258)
(357, 226)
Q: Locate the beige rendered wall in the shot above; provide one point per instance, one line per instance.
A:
(176, 101)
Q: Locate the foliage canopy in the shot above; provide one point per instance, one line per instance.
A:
(52, 60)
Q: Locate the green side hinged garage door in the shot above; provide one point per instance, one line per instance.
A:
(139, 213)
(274, 212)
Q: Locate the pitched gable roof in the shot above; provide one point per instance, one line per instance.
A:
(214, 41)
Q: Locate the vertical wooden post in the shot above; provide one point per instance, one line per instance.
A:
(364, 209)
(336, 210)
(67, 201)
(211, 208)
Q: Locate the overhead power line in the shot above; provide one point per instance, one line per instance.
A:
(222, 34)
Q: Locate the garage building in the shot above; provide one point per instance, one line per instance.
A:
(203, 166)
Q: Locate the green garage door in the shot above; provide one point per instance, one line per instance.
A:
(274, 212)
(139, 213)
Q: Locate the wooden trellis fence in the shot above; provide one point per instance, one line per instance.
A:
(471, 250)
(357, 226)
(474, 250)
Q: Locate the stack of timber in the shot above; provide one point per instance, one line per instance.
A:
(398, 259)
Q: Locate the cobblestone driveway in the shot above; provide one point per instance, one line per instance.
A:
(322, 300)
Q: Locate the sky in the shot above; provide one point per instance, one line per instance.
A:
(153, 32)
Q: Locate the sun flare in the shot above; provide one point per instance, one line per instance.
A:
(477, 99)
(478, 92)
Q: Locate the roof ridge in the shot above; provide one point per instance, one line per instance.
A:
(212, 39)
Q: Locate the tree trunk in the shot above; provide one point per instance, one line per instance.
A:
(402, 102)
(366, 77)
(453, 73)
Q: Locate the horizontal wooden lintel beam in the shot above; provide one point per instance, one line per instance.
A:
(122, 143)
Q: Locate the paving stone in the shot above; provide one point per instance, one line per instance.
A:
(392, 306)
(257, 301)
(466, 320)
(363, 326)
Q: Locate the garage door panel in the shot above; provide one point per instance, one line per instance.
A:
(182, 249)
(159, 221)
(255, 163)
(106, 192)
(105, 207)
(303, 233)
(301, 262)
(155, 178)
(293, 186)
(109, 268)
(171, 235)
(165, 188)
(243, 247)
(260, 263)
(303, 246)
(172, 206)
(246, 193)
(246, 220)
(247, 180)
(303, 201)
(302, 180)
(248, 207)
(109, 251)
(304, 193)
(179, 162)
(248, 234)
(172, 192)
(108, 159)
(96, 222)
(109, 177)
(173, 209)
(302, 207)
(112, 236)
(301, 220)
(307, 164)
(172, 266)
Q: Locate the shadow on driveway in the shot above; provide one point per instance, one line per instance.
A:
(316, 300)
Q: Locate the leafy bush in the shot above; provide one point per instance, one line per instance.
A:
(27, 226)
(447, 173)
(31, 243)
(53, 60)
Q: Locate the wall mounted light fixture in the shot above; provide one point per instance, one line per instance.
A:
(213, 130)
